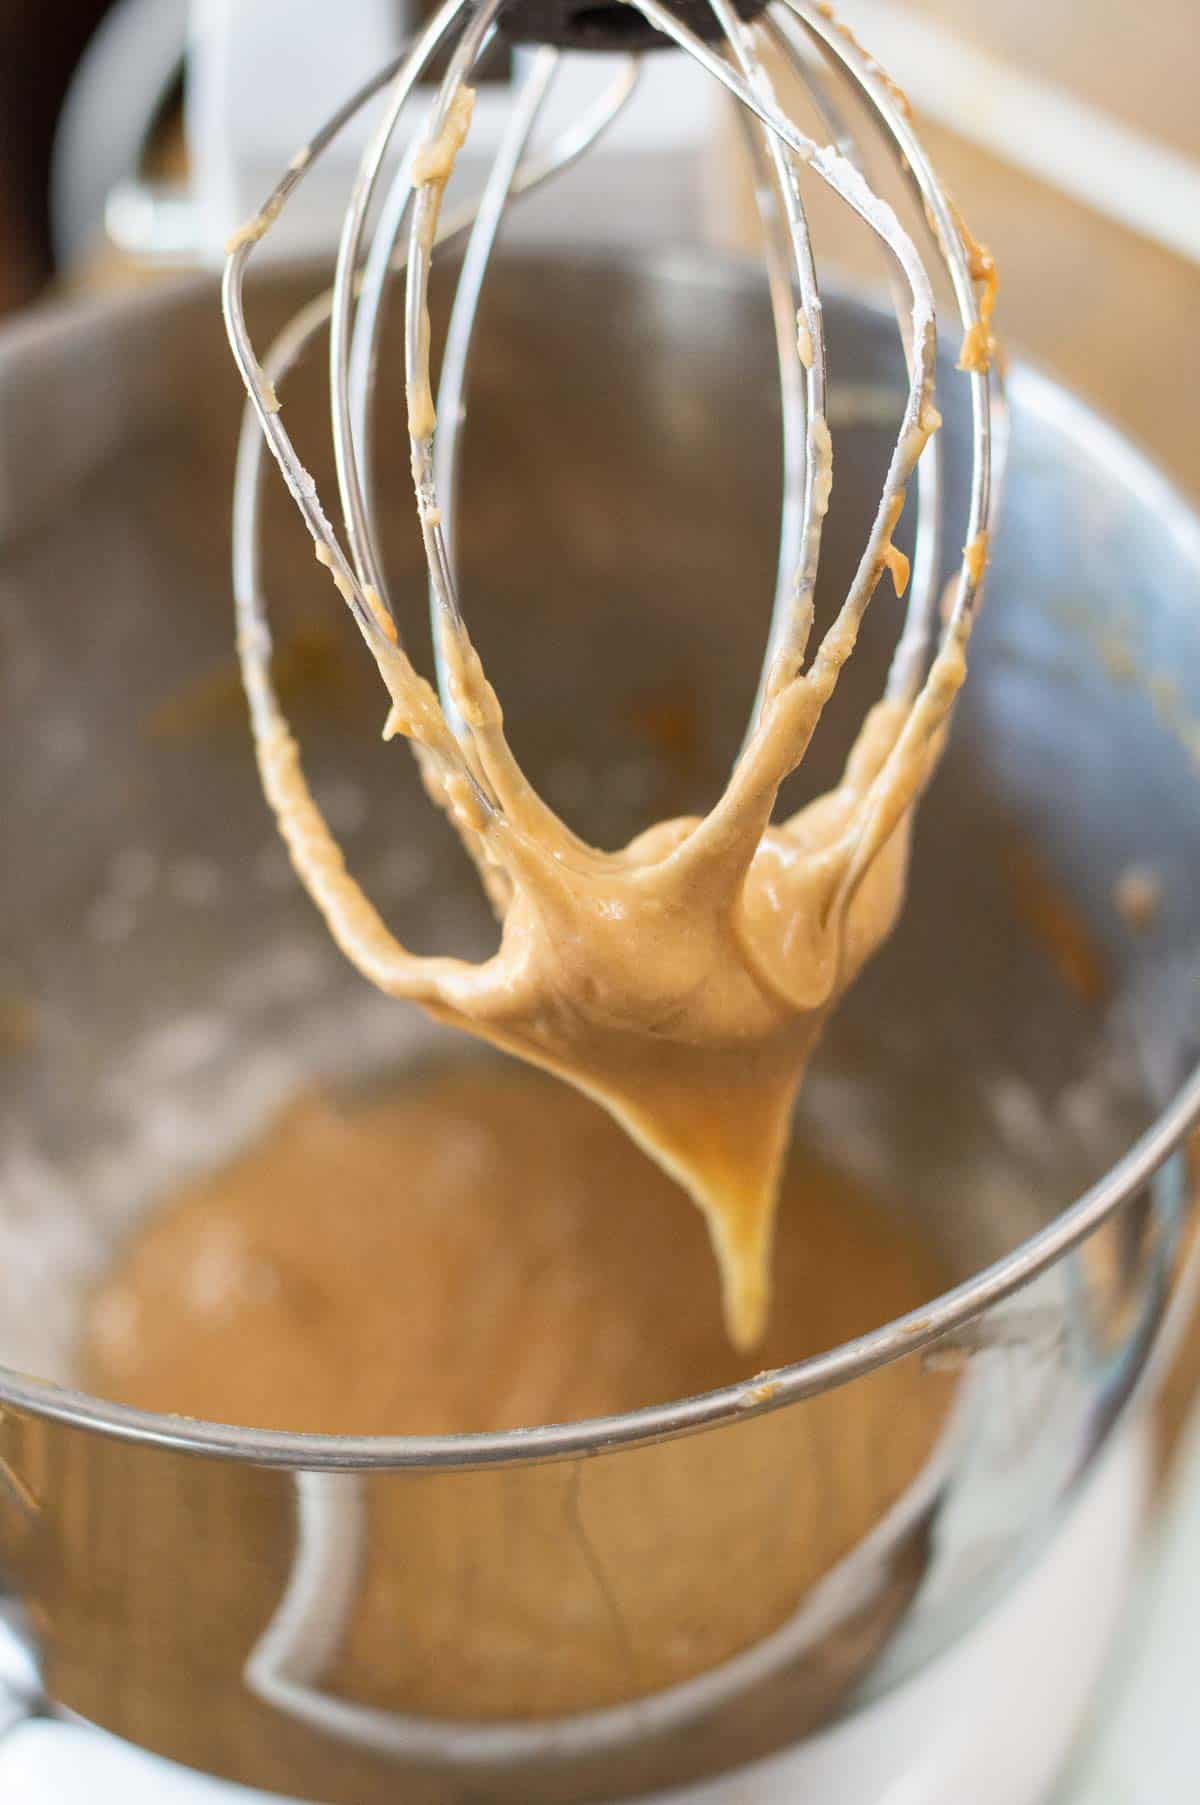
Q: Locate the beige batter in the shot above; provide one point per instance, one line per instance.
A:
(479, 1249)
(483, 1249)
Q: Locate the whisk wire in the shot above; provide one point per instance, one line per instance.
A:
(456, 351)
(987, 401)
(790, 41)
(792, 613)
(781, 153)
(262, 427)
(383, 261)
(840, 175)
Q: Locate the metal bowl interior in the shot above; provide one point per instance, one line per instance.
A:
(997, 1063)
(1013, 1070)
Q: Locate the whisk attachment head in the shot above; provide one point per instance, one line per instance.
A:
(850, 889)
(734, 49)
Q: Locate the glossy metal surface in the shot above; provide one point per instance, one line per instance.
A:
(196, 1588)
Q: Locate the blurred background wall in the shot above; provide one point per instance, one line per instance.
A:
(41, 42)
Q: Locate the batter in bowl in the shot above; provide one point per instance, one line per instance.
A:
(480, 1248)
(476, 1249)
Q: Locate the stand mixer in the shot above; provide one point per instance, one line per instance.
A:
(187, 1585)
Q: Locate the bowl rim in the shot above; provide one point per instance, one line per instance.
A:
(1034, 393)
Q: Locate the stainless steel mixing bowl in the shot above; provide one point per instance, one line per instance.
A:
(163, 985)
